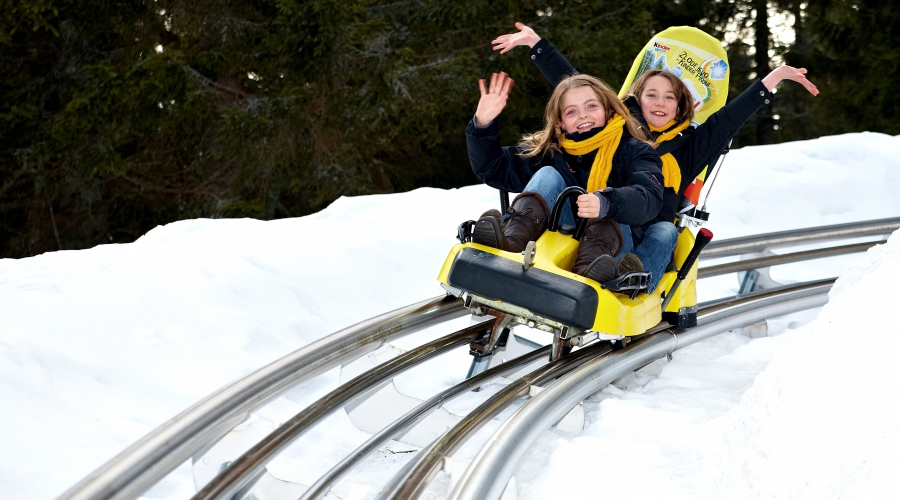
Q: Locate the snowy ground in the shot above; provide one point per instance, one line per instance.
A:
(100, 346)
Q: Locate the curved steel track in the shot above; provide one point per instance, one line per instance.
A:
(489, 472)
(199, 427)
(599, 367)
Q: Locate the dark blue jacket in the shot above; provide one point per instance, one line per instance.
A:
(705, 143)
(634, 188)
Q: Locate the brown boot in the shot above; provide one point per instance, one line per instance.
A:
(528, 217)
(602, 269)
(630, 263)
(497, 215)
(602, 237)
(489, 230)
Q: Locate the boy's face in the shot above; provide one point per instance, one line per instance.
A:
(659, 104)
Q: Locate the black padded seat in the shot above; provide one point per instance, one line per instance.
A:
(543, 293)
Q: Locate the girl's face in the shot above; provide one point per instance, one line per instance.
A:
(659, 104)
(581, 110)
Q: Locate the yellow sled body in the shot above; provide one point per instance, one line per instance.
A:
(549, 295)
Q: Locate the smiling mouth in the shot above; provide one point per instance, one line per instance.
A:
(659, 113)
(584, 126)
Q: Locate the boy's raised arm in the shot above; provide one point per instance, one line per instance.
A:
(553, 65)
(786, 72)
(525, 36)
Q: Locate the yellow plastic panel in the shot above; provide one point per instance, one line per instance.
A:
(686, 295)
(695, 57)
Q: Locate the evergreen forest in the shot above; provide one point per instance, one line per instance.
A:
(117, 116)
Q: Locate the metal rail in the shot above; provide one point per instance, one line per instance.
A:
(141, 465)
(488, 474)
(412, 480)
(321, 487)
(756, 243)
(239, 477)
(775, 260)
(725, 302)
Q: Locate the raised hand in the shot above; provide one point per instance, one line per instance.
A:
(493, 99)
(525, 36)
(788, 73)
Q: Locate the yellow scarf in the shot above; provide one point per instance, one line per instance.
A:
(670, 169)
(606, 142)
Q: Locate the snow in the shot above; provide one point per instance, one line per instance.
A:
(98, 347)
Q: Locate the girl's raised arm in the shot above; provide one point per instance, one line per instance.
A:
(525, 36)
(788, 73)
(493, 99)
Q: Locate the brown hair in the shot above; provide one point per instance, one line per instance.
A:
(550, 137)
(682, 94)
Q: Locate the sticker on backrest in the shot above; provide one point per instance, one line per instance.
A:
(693, 56)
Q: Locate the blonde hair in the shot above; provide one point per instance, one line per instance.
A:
(550, 137)
(683, 96)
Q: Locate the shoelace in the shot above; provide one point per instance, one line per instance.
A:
(522, 214)
(597, 236)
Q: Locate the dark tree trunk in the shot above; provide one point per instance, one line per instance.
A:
(798, 23)
(764, 117)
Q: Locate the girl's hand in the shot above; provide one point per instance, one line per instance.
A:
(525, 36)
(789, 73)
(493, 99)
(588, 206)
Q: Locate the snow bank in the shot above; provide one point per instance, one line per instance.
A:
(829, 180)
(820, 421)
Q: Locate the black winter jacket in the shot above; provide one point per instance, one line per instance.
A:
(705, 143)
(634, 189)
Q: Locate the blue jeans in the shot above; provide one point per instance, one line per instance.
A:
(548, 183)
(655, 251)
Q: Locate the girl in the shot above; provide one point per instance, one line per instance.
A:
(588, 141)
(664, 108)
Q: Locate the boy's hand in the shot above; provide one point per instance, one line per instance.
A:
(525, 36)
(788, 73)
(588, 206)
